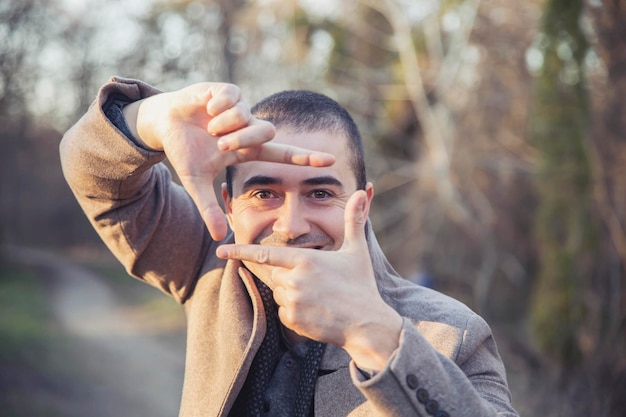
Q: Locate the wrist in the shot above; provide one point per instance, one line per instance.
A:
(136, 115)
(376, 343)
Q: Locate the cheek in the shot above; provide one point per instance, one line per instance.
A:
(334, 226)
(248, 224)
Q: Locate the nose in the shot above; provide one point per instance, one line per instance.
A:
(291, 221)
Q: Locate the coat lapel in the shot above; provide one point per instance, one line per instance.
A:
(226, 325)
(335, 394)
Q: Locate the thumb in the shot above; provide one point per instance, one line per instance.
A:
(202, 193)
(355, 217)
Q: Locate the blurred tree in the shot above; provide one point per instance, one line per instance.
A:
(229, 9)
(183, 42)
(565, 227)
(493, 160)
(21, 42)
(609, 133)
(443, 106)
(608, 70)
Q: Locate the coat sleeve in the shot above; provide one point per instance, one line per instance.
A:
(149, 222)
(419, 380)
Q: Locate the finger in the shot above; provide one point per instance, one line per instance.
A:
(222, 97)
(260, 254)
(280, 296)
(355, 217)
(288, 154)
(250, 144)
(230, 120)
(274, 152)
(203, 195)
(256, 133)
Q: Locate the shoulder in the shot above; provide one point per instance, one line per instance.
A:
(450, 326)
(412, 301)
(424, 304)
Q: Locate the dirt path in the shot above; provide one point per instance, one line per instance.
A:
(132, 371)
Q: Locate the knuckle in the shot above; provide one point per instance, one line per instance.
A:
(231, 92)
(307, 263)
(243, 111)
(240, 117)
(291, 317)
(267, 128)
(262, 256)
(231, 88)
(211, 210)
(234, 140)
(288, 155)
(297, 300)
(286, 316)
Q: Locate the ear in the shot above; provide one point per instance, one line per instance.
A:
(228, 208)
(369, 190)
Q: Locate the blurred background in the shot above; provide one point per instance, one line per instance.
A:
(495, 134)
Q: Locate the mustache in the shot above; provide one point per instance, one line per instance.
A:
(308, 240)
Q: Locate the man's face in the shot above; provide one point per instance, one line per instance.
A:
(287, 205)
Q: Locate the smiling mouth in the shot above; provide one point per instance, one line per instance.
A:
(317, 247)
(317, 241)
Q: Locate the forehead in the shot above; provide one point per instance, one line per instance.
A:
(334, 143)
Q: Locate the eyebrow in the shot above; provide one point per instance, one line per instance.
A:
(325, 180)
(260, 180)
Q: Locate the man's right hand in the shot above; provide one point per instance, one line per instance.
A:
(203, 129)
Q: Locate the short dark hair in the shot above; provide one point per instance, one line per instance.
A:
(307, 111)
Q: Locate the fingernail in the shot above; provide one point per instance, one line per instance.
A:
(223, 145)
(212, 132)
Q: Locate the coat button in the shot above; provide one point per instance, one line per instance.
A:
(412, 381)
(432, 407)
(442, 413)
(422, 395)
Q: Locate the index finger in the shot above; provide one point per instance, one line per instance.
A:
(222, 96)
(285, 154)
(260, 254)
(253, 143)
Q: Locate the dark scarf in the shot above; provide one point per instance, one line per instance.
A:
(249, 403)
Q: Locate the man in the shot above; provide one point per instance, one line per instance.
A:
(292, 308)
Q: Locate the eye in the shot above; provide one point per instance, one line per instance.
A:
(263, 195)
(320, 194)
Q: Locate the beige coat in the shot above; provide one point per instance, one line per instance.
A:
(447, 359)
